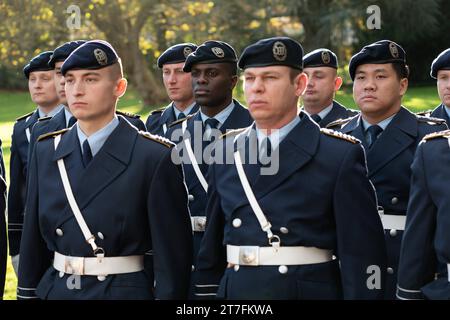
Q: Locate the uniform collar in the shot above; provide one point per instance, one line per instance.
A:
(51, 113)
(185, 111)
(97, 139)
(322, 114)
(221, 116)
(277, 136)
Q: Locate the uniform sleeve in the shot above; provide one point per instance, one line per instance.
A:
(417, 256)
(360, 238)
(211, 260)
(35, 258)
(171, 230)
(15, 197)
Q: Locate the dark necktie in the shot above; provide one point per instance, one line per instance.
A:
(181, 115)
(212, 123)
(374, 131)
(265, 151)
(72, 121)
(316, 118)
(87, 153)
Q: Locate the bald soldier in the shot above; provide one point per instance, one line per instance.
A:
(87, 227)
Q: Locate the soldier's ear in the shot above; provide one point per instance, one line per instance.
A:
(121, 87)
(301, 81)
(234, 81)
(337, 83)
(403, 86)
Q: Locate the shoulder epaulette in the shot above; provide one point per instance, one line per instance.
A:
(128, 114)
(424, 113)
(25, 116)
(52, 134)
(340, 135)
(181, 120)
(164, 141)
(439, 134)
(338, 122)
(44, 118)
(158, 110)
(431, 120)
(231, 133)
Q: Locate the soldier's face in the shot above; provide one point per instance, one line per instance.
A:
(212, 84)
(42, 88)
(92, 94)
(178, 83)
(323, 82)
(272, 95)
(59, 83)
(443, 85)
(377, 90)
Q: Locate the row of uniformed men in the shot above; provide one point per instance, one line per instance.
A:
(212, 67)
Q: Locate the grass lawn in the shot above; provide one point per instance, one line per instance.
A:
(15, 104)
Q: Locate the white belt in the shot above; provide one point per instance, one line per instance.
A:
(391, 221)
(448, 271)
(98, 266)
(198, 223)
(269, 256)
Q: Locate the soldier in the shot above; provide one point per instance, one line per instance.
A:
(178, 86)
(440, 70)
(214, 75)
(279, 232)
(323, 82)
(43, 93)
(390, 134)
(3, 244)
(424, 270)
(87, 227)
(64, 119)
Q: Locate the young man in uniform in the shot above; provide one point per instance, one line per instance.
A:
(101, 195)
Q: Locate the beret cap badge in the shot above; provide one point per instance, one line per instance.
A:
(187, 51)
(218, 52)
(101, 57)
(326, 58)
(394, 50)
(279, 51)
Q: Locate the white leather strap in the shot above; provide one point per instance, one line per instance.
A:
(28, 134)
(391, 221)
(194, 163)
(269, 256)
(97, 267)
(90, 238)
(265, 224)
(184, 126)
(198, 223)
(164, 127)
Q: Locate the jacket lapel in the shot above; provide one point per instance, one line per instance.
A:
(110, 162)
(355, 128)
(401, 132)
(295, 151)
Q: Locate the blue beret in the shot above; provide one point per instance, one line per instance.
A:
(380, 52)
(176, 54)
(95, 54)
(38, 63)
(282, 51)
(442, 62)
(63, 51)
(211, 51)
(320, 58)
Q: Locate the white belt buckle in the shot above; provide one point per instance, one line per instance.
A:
(199, 224)
(249, 255)
(74, 265)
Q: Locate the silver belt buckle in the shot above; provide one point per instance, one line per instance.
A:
(74, 265)
(249, 256)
